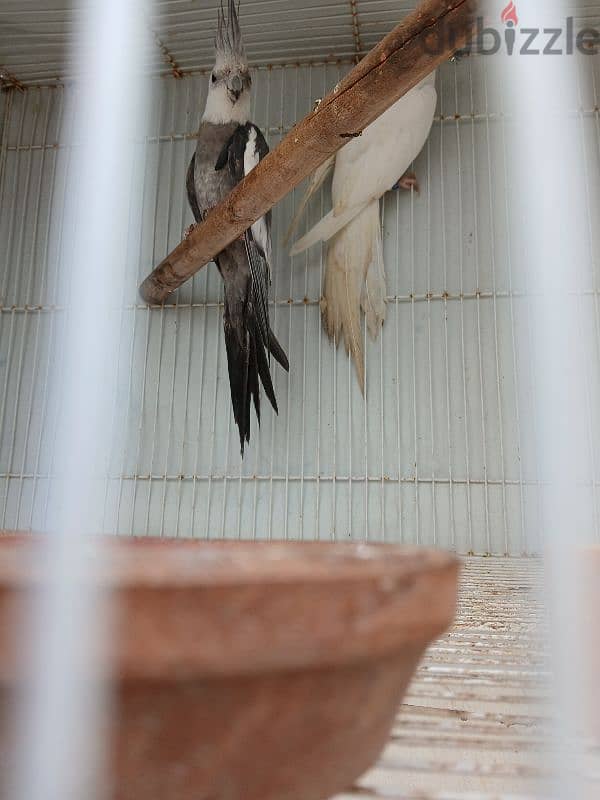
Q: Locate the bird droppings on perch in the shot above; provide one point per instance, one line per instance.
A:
(402, 59)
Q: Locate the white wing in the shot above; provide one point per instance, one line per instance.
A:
(260, 229)
(368, 166)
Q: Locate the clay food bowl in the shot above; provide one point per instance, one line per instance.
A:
(253, 671)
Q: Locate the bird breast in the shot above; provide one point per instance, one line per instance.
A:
(212, 186)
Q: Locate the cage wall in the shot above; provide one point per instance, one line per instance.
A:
(437, 453)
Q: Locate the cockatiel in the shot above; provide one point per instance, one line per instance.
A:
(363, 171)
(229, 147)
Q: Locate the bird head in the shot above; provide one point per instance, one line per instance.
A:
(229, 88)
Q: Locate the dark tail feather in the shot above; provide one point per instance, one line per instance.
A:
(265, 375)
(253, 386)
(259, 273)
(247, 361)
(277, 352)
(238, 357)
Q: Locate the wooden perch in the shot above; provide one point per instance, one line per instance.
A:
(422, 41)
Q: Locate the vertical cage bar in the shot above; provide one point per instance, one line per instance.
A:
(173, 173)
(495, 311)
(149, 312)
(523, 538)
(305, 329)
(445, 301)
(595, 286)
(38, 314)
(135, 314)
(382, 467)
(416, 473)
(478, 311)
(60, 720)
(260, 440)
(276, 295)
(462, 316)
(57, 216)
(581, 299)
(286, 511)
(67, 254)
(13, 313)
(429, 350)
(320, 361)
(399, 498)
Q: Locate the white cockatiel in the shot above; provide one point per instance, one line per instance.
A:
(363, 171)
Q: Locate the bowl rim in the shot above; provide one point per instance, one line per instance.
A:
(132, 562)
(176, 619)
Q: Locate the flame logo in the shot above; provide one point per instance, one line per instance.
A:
(509, 15)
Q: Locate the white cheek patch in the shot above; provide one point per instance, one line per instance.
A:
(219, 108)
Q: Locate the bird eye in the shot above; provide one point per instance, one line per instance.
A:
(214, 78)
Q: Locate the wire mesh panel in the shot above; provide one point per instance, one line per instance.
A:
(432, 455)
(36, 37)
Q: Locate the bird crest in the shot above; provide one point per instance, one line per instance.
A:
(228, 43)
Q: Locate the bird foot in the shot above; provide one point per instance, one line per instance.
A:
(408, 181)
(459, 55)
(189, 230)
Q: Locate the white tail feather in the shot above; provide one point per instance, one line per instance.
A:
(373, 300)
(317, 180)
(352, 255)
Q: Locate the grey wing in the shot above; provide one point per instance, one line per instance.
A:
(190, 186)
(243, 154)
(248, 334)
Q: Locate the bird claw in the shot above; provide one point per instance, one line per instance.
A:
(408, 181)
(189, 230)
(459, 55)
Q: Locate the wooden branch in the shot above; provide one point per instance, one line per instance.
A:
(422, 41)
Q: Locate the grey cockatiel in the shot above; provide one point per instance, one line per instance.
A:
(229, 146)
(363, 171)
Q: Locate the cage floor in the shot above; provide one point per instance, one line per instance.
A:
(476, 723)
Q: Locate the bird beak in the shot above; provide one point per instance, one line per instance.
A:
(235, 87)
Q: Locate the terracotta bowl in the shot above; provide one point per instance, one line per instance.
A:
(252, 671)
